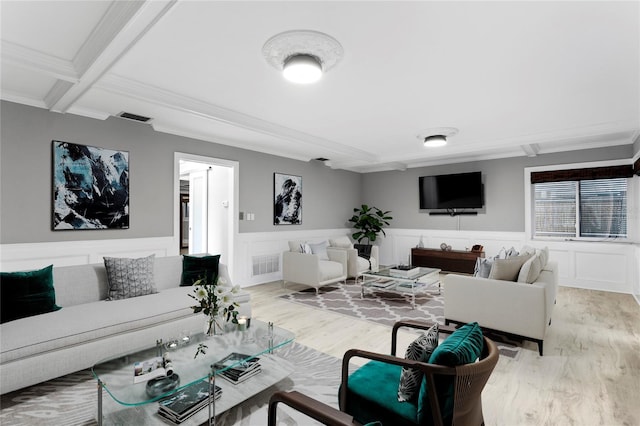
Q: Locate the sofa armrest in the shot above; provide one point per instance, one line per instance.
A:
(517, 308)
(338, 255)
(300, 267)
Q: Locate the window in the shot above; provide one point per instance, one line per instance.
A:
(581, 208)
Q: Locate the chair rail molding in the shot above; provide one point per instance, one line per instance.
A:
(590, 265)
(15, 257)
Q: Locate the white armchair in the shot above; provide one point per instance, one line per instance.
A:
(356, 265)
(326, 266)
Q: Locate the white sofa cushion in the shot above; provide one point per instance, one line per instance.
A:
(341, 242)
(329, 270)
(79, 324)
(297, 246)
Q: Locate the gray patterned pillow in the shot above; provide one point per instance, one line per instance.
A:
(419, 350)
(130, 277)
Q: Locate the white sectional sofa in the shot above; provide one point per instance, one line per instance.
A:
(517, 308)
(89, 328)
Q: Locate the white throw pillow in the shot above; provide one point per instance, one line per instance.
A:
(341, 242)
(320, 249)
(530, 270)
(483, 267)
(295, 246)
(508, 269)
(544, 256)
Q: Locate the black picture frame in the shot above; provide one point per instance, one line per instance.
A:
(90, 187)
(287, 199)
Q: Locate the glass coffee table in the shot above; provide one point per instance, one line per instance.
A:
(129, 402)
(400, 282)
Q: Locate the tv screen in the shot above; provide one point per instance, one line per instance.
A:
(456, 191)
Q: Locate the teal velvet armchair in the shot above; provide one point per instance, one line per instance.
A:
(450, 392)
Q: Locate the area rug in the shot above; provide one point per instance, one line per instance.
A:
(386, 308)
(71, 400)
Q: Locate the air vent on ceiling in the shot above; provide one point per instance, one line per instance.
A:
(134, 117)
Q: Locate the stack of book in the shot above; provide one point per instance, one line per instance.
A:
(237, 368)
(186, 402)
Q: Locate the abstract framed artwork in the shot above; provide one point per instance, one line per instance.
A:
(90, 187)
(287, 199)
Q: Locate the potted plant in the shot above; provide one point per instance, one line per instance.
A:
(369, 222)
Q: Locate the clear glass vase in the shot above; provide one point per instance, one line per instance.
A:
(214, 325)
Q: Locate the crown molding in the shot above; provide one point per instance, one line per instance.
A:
(224, 141)
(19, 98)
(124, 24)
(184, 104)
(42, 63)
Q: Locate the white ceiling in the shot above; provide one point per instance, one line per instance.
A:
(516, 78)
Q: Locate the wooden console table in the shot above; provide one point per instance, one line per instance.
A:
(451, 260)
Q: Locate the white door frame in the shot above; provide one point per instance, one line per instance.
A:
(233, 207)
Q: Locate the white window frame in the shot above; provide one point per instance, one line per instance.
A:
(633, 203)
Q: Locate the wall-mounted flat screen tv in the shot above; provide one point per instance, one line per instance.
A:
(456, 191)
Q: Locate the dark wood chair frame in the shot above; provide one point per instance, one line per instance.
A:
(469, 380)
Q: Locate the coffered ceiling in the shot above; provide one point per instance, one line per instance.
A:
(515, 78)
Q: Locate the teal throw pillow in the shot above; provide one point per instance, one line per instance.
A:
(463, 346)
(24, 294)
(199, 267)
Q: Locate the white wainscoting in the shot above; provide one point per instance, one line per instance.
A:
(591, 265)
(599, 266)
(250, 246)
(17, 257)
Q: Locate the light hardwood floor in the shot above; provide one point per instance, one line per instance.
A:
(589, 374)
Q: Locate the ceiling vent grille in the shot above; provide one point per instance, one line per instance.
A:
(134, 117)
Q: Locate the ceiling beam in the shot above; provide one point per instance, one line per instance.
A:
(122, 26)
(531, 150)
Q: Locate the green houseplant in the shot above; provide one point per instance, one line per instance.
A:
(369, 222)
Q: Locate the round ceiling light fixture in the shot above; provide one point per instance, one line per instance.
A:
(436, 137)
(302, 55)
(302, 69)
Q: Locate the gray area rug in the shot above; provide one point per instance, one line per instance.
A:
(71, 400)
(386, 308)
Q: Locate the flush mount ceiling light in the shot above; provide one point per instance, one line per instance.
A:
(302, 55)
(436, 137)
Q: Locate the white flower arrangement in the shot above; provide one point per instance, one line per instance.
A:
(215, 299)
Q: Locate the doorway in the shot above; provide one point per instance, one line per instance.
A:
(205, 203)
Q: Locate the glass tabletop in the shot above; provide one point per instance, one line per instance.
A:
(388, 272)
(116, 375)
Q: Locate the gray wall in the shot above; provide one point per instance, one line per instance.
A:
(503, 183)
(26, 177)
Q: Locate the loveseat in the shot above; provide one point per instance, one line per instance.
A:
(88, 328)
(522, 309)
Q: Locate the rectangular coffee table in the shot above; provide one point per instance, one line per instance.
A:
(129, 403)
(385, 280)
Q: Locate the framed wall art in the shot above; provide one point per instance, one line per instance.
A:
(90, 187)
(287, 199)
